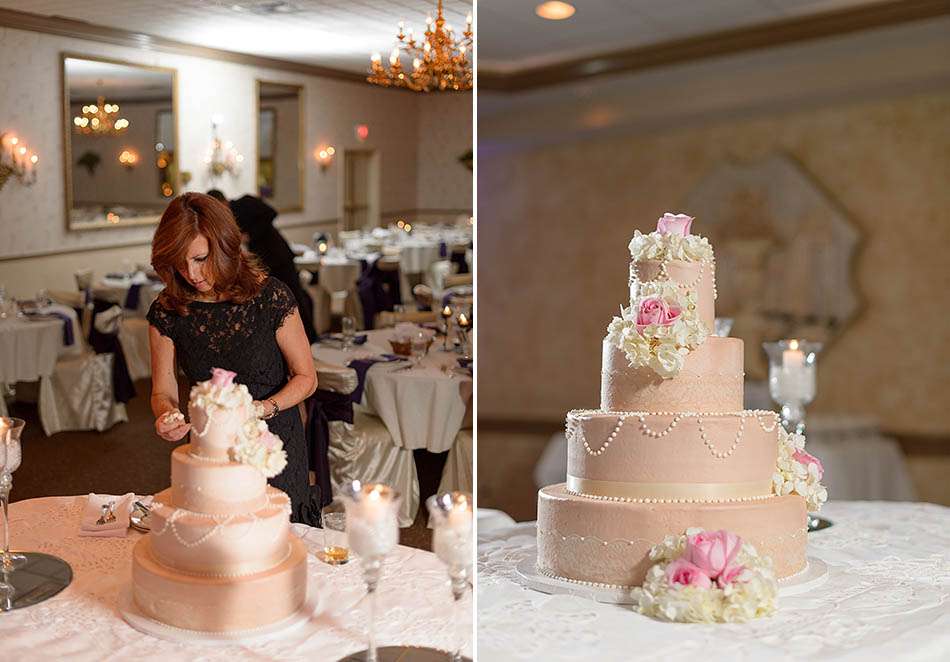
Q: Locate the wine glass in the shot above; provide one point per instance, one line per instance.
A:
(451, 515)
(372, 532)
(348, 325)
(10, 431)
(420, 343)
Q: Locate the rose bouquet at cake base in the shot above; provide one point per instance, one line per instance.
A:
(707, 577)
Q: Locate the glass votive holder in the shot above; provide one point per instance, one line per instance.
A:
(792, 378)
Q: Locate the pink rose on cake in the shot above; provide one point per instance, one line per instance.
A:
(674, 224)
(685, 573)
(654, 310)
(807, 459)
(712, 551)
(221, 377)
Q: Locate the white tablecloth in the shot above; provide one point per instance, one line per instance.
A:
(887, 597)
(423, 407)
(81, 623)
(28, 350)
(415, 257)
(859, 462)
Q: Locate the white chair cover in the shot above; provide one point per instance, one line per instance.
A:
(80, 396)
(133, 337)
(108, 320)
(365, 451)
(457, 474)
(438, 273)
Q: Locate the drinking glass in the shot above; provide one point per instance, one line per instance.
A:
(420, 344)
(10, 431)
(451, 515)
(333, 518)
(42, 299)
(349, 332)
(372, 532)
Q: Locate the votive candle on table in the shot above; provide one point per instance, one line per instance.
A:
(796, 381)
(372, 528)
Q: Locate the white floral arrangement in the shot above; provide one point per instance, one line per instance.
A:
(659, 329)
(798, 472)
(707, 577)
(260, 448)
(671, 241)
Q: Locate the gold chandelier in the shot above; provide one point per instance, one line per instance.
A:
(439, 60)
(97, 119)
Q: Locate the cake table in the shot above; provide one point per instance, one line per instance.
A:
(887, 597)
(82, 622)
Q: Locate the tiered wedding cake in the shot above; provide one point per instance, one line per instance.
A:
(671, 447)
(220, 556)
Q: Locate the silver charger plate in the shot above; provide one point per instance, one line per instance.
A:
(404, 654)
(814, 574)
(39, 579)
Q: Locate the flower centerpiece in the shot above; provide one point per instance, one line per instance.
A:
(798, 472)
(707, 577)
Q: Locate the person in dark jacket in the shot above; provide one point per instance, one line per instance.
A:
(256, 220)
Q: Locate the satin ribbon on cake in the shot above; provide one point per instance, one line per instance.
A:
(693, 491)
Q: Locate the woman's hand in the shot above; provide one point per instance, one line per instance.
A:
(171, 425)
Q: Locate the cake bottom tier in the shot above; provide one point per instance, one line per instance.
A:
(608, 542)
(213, 604)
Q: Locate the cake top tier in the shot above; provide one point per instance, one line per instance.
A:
(226, 427)
(672, 289)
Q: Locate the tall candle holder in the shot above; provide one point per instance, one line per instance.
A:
(451, 515)
(372, 532)
(446, 320)
(792, 379)
(464, 324)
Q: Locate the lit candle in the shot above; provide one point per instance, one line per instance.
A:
(796, 379)
(452, 538)
(792, 357)
(463, 321)
(372, 529)
(446, 312)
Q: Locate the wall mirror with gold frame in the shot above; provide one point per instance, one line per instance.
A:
(120, 137)
(280, 136)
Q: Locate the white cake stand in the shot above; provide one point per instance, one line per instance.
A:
(134, 617)
(815, 574)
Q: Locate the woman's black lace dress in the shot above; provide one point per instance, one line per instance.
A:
(243, 338)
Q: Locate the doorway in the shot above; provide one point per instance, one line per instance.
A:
(360, 190)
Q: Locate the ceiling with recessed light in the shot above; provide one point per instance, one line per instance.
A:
(512, 37)
(340, 34)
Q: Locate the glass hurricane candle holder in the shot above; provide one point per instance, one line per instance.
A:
(372, 532)
(792, 379)
(451, 516)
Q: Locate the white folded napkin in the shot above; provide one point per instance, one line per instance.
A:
(117, 529)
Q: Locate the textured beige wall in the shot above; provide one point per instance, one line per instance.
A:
(445, 133)
(554, 223)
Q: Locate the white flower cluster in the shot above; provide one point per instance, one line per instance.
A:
(794, 477)
(210, 397)
(663, 348)
(751, 595)
(672, 246)
(258, 447)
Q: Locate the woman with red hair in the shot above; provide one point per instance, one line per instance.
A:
(220, 309)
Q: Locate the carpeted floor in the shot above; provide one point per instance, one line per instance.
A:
(130, 457)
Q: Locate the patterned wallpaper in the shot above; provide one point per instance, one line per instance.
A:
(555, 222)
(31, 219)
(445, 133)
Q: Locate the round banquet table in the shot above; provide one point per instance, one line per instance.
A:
(81, 623)
(421, 408)
(887, 597)
(28, 353)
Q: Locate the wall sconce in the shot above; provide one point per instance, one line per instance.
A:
(129, 158)
(324, 156)
(16, 160)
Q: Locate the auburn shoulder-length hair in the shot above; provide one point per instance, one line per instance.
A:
(236, 275)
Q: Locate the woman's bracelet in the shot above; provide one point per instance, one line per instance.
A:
(275, 406)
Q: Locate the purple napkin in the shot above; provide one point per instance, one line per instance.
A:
(132, 297)
(362, 366)
(68, 338)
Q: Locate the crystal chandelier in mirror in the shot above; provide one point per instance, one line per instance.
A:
(100, 119)
(440, 58)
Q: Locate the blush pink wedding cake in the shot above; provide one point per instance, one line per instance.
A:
(220, 556)
(671, 446)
